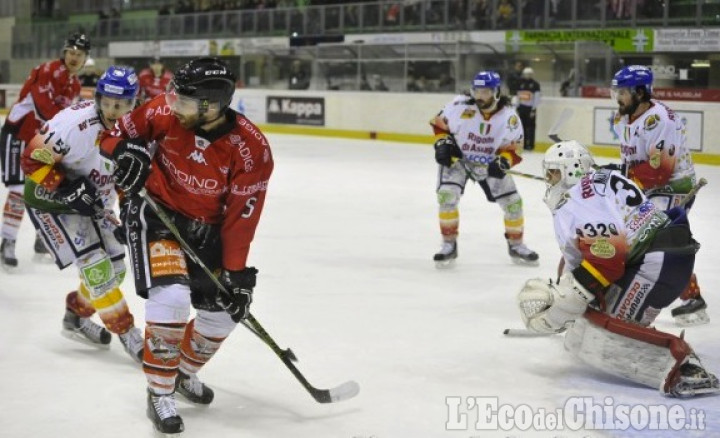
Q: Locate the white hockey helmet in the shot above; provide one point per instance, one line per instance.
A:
(565, 163)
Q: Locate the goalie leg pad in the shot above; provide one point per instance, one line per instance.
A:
(639, 354)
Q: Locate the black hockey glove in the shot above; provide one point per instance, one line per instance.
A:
(498, 167)
(240, 284)
(132, 161)
(445, 150)
(80, 195)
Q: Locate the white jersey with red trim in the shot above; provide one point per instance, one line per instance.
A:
(605, 219)
(480, 137)
(657, 138)
(73, 134)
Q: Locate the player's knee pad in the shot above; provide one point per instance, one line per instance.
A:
(97, 273)
(512, 205)
(214, 324)
(449, 197)
(168, 304)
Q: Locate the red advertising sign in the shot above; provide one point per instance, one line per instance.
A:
(696, 94)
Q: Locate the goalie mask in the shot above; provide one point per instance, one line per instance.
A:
(564, 165)
(201, 91)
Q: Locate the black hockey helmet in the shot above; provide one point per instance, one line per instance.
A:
(207, 80)
(77, 41)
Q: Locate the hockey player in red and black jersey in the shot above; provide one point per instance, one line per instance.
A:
(209, 174)
(154, 80)
(51, 87)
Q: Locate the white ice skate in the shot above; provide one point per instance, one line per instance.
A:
(447, 255)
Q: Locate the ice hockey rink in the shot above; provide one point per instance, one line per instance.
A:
(347, 281)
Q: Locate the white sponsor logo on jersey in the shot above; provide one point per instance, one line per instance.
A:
(198, 157)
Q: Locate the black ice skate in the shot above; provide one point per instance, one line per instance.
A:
(133, 342)
(162, 412)
(7, 254)
(85, 331)
(694, 380)
(691, 312)
(195, 391)
(522, 255)
(447, 255)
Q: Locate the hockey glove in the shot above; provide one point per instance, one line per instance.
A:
(240, 284)
(498, 167)
(445, 150)
(547, 308)
(132, 161)
(80, 195)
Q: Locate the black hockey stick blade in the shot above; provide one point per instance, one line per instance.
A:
(555, 138)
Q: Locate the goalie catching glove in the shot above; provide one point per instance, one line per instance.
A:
(132, 161)
(240, 285)
(546, 307)
(445, 150)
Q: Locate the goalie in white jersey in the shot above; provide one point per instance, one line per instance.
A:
(70, 194)
(478, 138)
(655, 156)
(625, 260)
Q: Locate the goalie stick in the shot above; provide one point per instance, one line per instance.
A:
(342, 392)
(524, 332)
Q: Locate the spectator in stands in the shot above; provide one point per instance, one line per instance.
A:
(446, 83)
(379, 85)
(299, 78)
(154, 80)
(89, 75)
(513, 79)
(481, 14)
(364, 84)
(505, 14)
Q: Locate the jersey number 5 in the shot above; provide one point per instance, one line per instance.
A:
(249, 208)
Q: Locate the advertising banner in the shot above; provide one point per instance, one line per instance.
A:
(296, 110)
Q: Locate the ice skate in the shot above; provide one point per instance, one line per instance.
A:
(691, 312)
(85, 331)
(41, 252)
(694, 380)
(162, 412)
(447, 255)
(522, 255)
(133, 342)
(7, 254)
(195, 391)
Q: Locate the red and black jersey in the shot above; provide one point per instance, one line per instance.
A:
(217, 177)
(150, 85)
(49, 89)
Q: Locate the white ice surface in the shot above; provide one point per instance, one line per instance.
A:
(344, 250)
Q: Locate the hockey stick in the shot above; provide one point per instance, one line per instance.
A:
(342, 392)
(466, 165)
(564, 116)
(525, 333)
